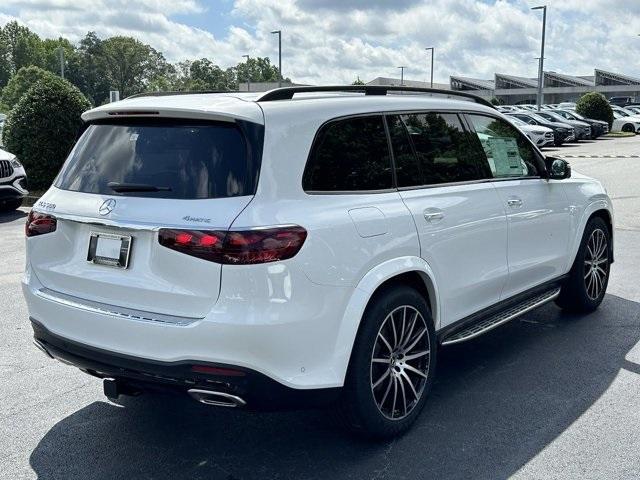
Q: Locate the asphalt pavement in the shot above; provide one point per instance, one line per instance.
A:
(547, 396)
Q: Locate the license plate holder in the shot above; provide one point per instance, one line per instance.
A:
(109, 249)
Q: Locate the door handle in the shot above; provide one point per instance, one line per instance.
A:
(514, 202)
(432, 217)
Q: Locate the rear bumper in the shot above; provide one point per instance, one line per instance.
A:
(258, 391)
(288, 333)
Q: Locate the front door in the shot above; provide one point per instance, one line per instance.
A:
(537, 209)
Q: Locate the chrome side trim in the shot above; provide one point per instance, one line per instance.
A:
(114, 311)
(490, 323)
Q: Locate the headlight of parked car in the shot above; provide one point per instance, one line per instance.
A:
(15, 163)
(538, 132)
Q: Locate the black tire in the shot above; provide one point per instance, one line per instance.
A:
(10, 205)
(358, 408)
(627, 127)
(582, 291)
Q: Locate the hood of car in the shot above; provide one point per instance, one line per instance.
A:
(4, 155)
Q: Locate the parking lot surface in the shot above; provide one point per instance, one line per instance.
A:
(549, 395)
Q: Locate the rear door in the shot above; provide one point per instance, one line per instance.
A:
(125, 180)
(537, 209)
(458, 214)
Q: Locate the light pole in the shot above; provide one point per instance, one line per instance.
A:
(279, 32)
(402, 76)
(248, 74)
(432, 49)
(61, 61)
(541, 64)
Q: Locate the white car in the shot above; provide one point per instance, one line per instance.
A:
(541, 136)
(303, 246)
(13, 182)
(622, 123)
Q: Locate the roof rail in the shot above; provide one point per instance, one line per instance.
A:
(175, 92)
(287, 93)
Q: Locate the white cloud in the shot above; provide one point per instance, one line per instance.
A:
(329, 41)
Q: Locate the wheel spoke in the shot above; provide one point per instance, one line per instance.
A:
(410, 383)
(384, 340)
(395, 396)
(415, 370)
(380, 360)
(416, 340)
(384, 375)
(393, 329)
(413, 356)
(414, 320)
(404, 319)
(386, 392)
(404, 395)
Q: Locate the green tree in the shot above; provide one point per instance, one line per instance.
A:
(595, 105)
(257, 69)
(130, 65)
(21, 82)
(41, 129)
(19, 47)
(496, 101)
(87, 70)
(358, 81)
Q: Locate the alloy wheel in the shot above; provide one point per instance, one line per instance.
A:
(400, 362)
(596, 264)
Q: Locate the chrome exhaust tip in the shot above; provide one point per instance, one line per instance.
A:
(218, 399)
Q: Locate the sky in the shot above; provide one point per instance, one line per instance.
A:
(336, 41)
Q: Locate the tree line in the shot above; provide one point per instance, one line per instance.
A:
(97, 65)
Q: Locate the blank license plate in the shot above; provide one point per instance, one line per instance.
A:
(108, 249)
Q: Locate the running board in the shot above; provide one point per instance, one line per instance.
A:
(489, 323)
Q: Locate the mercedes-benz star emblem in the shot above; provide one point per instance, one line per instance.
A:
(107, 207)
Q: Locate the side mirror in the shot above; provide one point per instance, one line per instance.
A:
(558, 168)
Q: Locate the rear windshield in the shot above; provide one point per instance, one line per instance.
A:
(181, 161)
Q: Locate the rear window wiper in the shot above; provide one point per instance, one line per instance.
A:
(136, 187)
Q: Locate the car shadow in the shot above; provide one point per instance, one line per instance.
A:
(6, 217)
(497, 402)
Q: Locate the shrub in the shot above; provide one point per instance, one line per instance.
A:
(594, 105)
(42, 127)
(23, 80)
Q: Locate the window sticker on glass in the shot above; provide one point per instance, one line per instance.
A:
(505, 155)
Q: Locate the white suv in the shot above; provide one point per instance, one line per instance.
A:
(308, 245)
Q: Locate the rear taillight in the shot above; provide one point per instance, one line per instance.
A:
(39, 224)
(236, 247)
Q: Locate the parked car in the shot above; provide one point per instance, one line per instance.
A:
(13, 182)
(621, 101)
(570, 105)
(623, 123)
(541, 136)
(562, 132)
(582, 129)
(265, 251)
(598, 127)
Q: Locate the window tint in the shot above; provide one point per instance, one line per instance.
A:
(186, 161)
(349, 155)
(443, 152)
(508, 152)
(407, 168)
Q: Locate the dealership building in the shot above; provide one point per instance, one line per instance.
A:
(557, 87)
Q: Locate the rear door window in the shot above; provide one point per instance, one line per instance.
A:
(180, 160)
(348, 155)
(434, 148)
